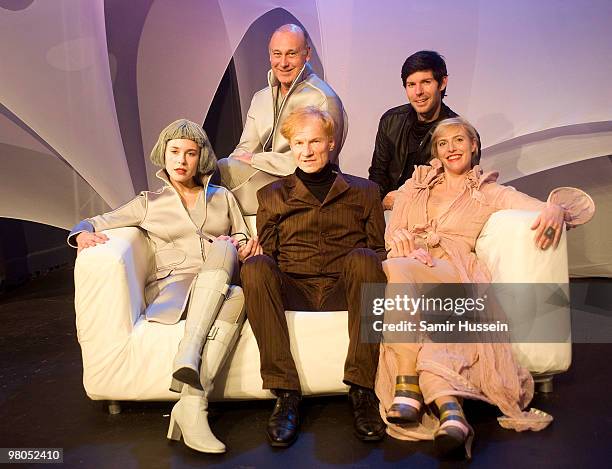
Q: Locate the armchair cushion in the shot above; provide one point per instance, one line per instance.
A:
(506, 244)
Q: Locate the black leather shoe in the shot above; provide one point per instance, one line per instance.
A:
(369, 426)
(284, 422)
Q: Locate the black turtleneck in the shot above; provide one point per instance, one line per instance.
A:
(318, 183)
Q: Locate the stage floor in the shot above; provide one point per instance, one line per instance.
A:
(43, 404)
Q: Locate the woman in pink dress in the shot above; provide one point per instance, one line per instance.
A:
(436, 219)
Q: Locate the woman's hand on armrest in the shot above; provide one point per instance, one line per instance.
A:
(548, 226)
(86, 240)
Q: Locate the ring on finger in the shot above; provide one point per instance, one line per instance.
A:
(550, 232)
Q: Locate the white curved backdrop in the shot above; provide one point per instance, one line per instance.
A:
(532, 76)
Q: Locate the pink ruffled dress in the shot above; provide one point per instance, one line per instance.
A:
(486, 371)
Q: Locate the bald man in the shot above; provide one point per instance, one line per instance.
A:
(263, 154)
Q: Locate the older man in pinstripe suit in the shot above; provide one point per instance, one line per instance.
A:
(322, 237)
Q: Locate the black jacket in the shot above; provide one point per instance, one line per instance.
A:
(391, 147)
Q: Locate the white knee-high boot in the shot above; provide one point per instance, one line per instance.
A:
(222, 338)
(190, 414)
(207, 296)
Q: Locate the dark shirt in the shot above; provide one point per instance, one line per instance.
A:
(318, 183)
(416, 135)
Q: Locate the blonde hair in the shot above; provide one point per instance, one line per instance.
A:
(296, 119)
(454, 122)
(186, 129)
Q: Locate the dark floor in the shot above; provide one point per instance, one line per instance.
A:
(43, 404)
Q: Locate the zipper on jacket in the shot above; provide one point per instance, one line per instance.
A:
(280, 110)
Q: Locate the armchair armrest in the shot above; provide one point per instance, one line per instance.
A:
(506, 245)
(109, 291)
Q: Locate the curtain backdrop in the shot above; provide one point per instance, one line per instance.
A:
(85, 88)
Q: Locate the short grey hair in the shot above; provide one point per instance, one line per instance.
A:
(186, 129)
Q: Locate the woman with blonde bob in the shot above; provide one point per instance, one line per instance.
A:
(436, 218)
(197, 234)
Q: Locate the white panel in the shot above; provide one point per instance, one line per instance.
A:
(12, 134)
(541, 65)
(55, 78)
(41, 188)
(27, 169)
(514, 162)
(238, 16)
(183, 53)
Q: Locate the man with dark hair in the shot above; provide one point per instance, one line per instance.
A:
(404, 132)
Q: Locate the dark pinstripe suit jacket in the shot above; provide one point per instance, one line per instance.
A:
(309, 238)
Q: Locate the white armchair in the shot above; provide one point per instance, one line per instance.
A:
(128, 358)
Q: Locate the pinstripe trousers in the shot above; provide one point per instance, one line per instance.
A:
(269, 292)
